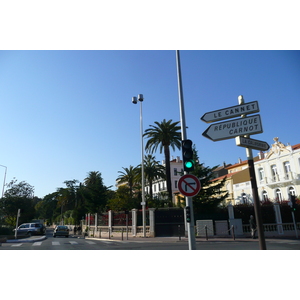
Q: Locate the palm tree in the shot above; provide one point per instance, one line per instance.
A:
(94, 178)
(97, 192)
(153, 171)
(164, 135)
(128, 176)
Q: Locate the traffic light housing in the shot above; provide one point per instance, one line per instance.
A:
(188, 214)
(293, 200)
(187, 155)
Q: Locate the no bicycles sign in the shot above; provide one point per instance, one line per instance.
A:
(189, 185)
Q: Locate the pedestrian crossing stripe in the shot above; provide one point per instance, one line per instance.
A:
(37, 244)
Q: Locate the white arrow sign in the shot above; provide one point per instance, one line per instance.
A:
(251, 143)
(230, 129)
(230, 112)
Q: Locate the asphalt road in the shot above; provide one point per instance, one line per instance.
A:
(168, 243)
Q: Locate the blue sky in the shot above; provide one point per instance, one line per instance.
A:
(65, 113)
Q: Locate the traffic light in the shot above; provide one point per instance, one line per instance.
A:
(188, 214)
(293, 200)
(187, 155)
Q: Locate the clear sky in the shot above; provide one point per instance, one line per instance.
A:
(66, 113)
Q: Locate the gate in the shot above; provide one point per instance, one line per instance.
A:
(169, 222)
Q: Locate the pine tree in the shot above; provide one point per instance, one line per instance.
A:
(211, 193)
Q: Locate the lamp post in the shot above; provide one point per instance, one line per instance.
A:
(134, 101)
(188, 200)
(4, 179)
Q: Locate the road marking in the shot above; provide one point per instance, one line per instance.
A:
(37, 244)
(55, 243)
(17, 245)
(73, 242)
(90, 242)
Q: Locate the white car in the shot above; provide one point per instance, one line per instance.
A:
(31, 229)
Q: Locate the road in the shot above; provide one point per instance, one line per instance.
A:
(169, 243)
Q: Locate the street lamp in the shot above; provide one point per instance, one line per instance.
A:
(134, 101)
(4, 180)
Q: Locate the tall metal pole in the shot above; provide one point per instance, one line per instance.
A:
(4, 180)
(188, 200)
(143, 175)
(257, 210)
(134, 101)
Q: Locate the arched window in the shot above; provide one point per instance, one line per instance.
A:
(265, 196)
(292, 191)
(278, 195)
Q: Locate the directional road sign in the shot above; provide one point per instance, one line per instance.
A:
(230, 129)
(230, 112)
(251, 143)
(189, 185)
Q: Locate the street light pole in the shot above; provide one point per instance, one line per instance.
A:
(4, 179)
(134, 101)
(188, 200)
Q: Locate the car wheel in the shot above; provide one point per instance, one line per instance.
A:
(67, 236)
(29, 233)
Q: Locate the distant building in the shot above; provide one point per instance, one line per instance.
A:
(278, 172)
(277, 175)
(159, 187)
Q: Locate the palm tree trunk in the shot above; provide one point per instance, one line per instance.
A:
(150, 190)
(168, 172)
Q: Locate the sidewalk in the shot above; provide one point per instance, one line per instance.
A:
(185, 239)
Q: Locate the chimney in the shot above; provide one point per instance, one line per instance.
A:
(261, 155)
(240, 160)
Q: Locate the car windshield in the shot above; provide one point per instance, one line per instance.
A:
(62, 227)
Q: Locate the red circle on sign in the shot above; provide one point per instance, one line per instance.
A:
(189, 185)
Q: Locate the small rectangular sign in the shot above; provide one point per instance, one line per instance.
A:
(251, 143)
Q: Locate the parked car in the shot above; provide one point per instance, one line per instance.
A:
(31, 229)
(61, 230)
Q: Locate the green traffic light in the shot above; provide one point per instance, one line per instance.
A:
(188, 164)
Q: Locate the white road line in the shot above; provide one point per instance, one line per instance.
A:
(37, 244)
(17, 245)
(73, 242)
(90, 242)
(55, 243)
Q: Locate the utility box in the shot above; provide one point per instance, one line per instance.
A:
(238, 226)
(222, 228)
(203, 226)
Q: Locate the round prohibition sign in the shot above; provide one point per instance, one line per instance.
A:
(189, 185)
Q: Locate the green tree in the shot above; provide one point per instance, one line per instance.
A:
(47, 209)
(96, 192)
(122, 200)
(211, 194)
(129, 177)
(18, 196)
(163, 136)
